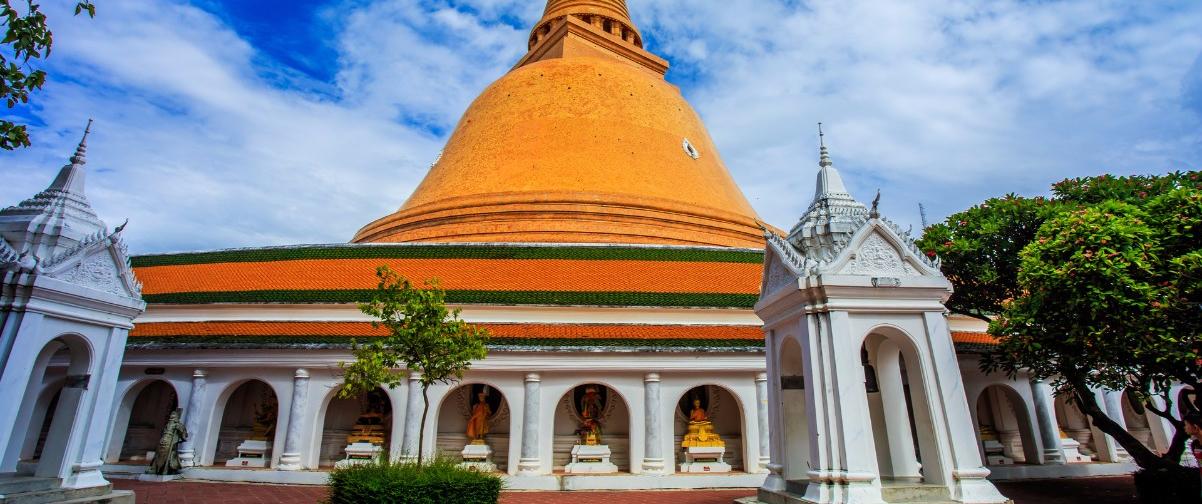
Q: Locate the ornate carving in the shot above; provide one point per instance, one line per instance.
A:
(878, 257)
(778, 277)
(96, 272)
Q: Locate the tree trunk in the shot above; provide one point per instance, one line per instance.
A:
(421, 433)
(1142, 456)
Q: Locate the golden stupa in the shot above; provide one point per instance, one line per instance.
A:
(583, 141)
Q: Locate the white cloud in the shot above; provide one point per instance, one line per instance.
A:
(940, 102)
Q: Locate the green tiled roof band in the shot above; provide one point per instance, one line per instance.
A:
(449, 252)
(700, 300)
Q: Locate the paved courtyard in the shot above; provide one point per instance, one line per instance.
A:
(1112, 490)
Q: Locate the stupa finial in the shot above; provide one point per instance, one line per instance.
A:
(824, 156)
(81, 151)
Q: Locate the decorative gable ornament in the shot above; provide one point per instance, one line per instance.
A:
(56, 233)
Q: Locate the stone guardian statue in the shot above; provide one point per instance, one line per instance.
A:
(166, 455)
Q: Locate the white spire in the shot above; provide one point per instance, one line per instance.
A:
(71, 177)
(833, 214)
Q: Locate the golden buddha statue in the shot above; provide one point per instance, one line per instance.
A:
(590, 417)
(477, 423)
(987, 433)
(368, 428)
(701, 430)
(263, 428)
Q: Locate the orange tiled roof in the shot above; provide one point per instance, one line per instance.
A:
(457, 274)
(973, 338)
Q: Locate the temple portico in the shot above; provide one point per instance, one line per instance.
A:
(228, 396)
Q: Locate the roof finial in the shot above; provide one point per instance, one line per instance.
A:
(824, 157)
(80, 157)
(874, 213)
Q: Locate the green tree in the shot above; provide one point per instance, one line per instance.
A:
(1105, 293)
(424, 336)
(27, 38)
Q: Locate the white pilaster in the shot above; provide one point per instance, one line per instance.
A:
(290, 460)
(530, 464)
(187, 450)
(1110, 401)
(1045, 416)
(761, 414)
(413, 418)
(653, 424)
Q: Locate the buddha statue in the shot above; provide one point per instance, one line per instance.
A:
(263, 428)
(701, 430)
(987, 433)
(369, 426)
(477, 422)
(590, 417)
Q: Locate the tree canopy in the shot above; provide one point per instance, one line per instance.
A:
(424, 337)
(27, 38)
(1099, 286)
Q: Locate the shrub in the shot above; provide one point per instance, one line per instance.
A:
(1172, 486)
(435, 482)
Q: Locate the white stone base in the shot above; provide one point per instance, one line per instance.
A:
(359, 453)
(158, 478)
(704, 459)
(590, 459)
(1072, 452)
(251, 453)
(994, 454)
(478, 457)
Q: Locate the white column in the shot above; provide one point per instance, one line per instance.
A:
(187, 450)
(1111, 403)
(653, 456)
(413, 418)
(529, 464)
(902, 455)
(290, 460)
(1045, 416)
(761, 414)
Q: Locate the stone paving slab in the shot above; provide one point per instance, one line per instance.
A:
(1109, 490)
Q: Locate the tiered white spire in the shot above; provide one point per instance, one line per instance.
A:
(57, 218)
(833, 216)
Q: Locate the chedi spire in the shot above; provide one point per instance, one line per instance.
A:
(609, 16)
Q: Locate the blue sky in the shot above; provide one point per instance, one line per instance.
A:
(267, 122)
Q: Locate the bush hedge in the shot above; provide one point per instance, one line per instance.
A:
(1176, 486)
(435, 482)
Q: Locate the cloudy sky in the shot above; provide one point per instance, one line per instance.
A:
(265, 122)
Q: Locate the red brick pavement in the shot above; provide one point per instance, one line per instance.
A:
(1116, 490)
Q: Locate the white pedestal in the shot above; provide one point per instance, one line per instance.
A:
(478, 457)
(703, 459)
(590, 459)
(359, 453)
(251, 453)
(994, 454)
(158, 478)
(1072, 452)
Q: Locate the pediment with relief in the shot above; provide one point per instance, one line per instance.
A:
(877, 255)
(99, 263)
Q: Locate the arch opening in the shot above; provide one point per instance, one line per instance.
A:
(901, 421)
(1003, 427)
(717, 406)
(1074, 425)
(478, 415)
(147, 417)
(248, 420)
(62, 373)
(604, 413)
(795, 435)
(366, 418)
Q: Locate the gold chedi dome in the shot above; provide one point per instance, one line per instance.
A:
(583, 141)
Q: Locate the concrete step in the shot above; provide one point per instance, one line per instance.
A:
(113, 497)
(12, 484)
(914, 493)
(56, 495)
